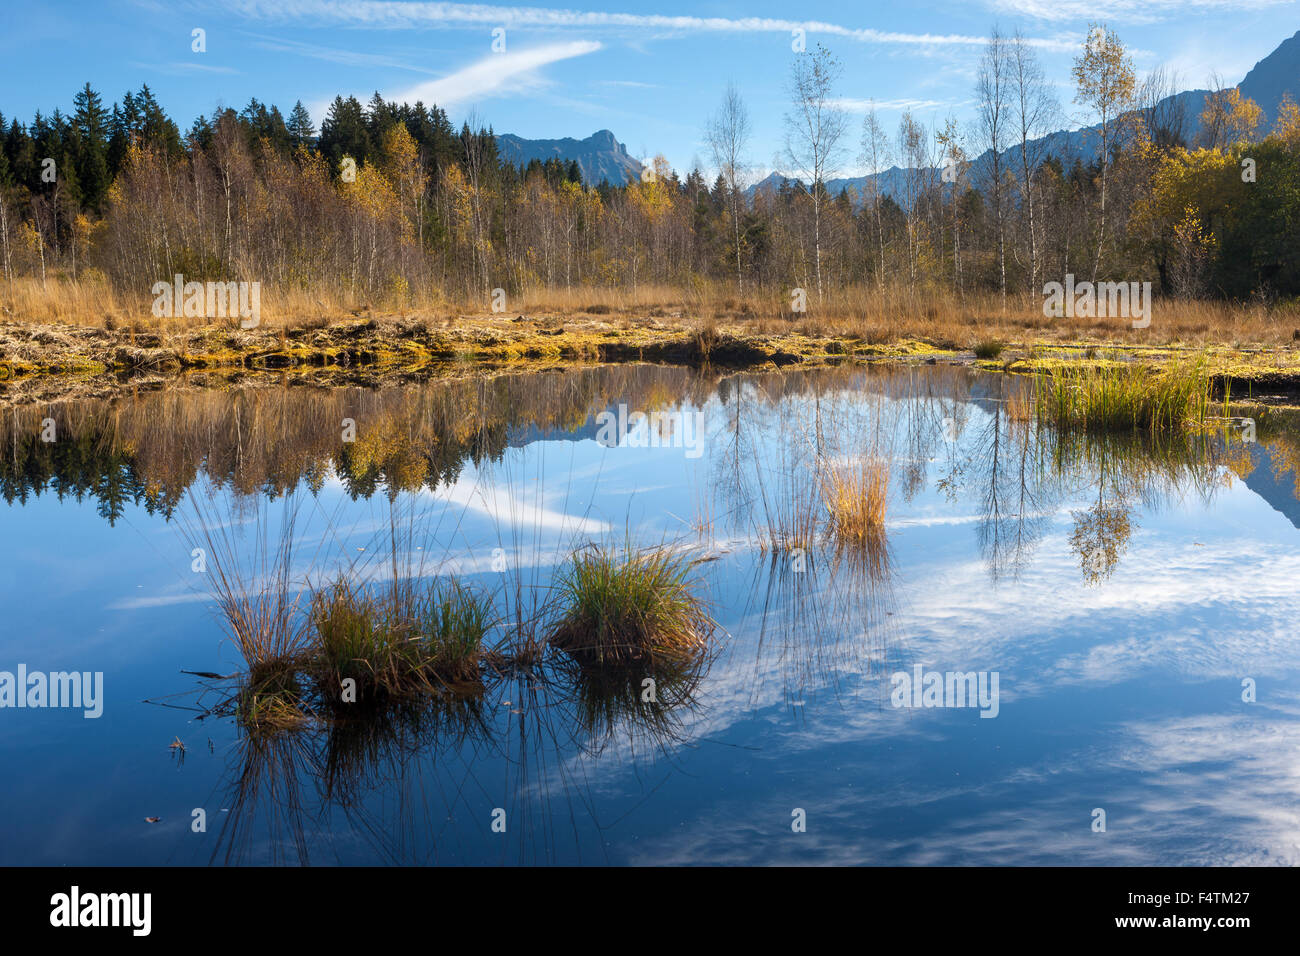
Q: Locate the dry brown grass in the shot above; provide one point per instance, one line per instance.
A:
(90, 300)
(871, 314)
(896, 313)
(856, 495)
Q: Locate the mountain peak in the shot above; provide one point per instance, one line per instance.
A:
(601, 157)
(605, 139)
(1274, 76)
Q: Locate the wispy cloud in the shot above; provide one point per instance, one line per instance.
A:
(392, 14)
(496, 74)
(158, 600)
(509, 509)
(334, 55)
(183, 67)
(1128, 11)
(851, 105)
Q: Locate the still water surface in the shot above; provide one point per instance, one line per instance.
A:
(1122, 591)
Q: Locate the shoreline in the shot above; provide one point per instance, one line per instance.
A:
(53, 362)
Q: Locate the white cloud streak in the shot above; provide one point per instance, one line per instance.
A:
(393, 15)
(496, 74)
(334, 55)
(1129, 11)
(852, 105)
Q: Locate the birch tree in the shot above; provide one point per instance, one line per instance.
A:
(993, 91)
(875, 156)
(728, 134)
(1033, 111)
(1104, 79)
(814, 128)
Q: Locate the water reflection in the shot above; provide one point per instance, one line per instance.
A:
(1054, 558)
(398, 776)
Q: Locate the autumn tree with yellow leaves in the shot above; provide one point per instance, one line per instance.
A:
(392, 208)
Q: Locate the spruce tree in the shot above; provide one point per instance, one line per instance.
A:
(301, 131)
(91, 122)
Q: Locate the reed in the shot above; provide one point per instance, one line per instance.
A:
(791, 524)
(635, 608)
(255, 595)
(273, 698)
(856, 495)
(398, 642)
(1124, 397)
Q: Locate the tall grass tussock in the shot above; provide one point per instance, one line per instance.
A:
(856, 495)
(397, 641)
(636, 608)
(261, 610)
(365, 644)
(1124, 397)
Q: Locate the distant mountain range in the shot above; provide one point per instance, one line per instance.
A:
(600, 156)
(1267, 83)
(603, 158)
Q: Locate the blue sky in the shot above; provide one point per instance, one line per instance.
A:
(652, 73)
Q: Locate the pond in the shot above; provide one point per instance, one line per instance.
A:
(1066, 648)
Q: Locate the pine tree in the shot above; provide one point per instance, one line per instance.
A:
(155, 127)
(119, 137)
(91, 123)
(301, 131)
(21, 151)
(200, 134)
(6, 172)
(344, 133)
(379, 117)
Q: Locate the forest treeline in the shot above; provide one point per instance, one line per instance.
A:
(390, 204)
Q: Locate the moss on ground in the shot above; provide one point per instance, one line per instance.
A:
(88, 360)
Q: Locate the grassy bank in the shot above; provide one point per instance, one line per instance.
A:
(877, 314)
(49, 364)
(80, 331)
